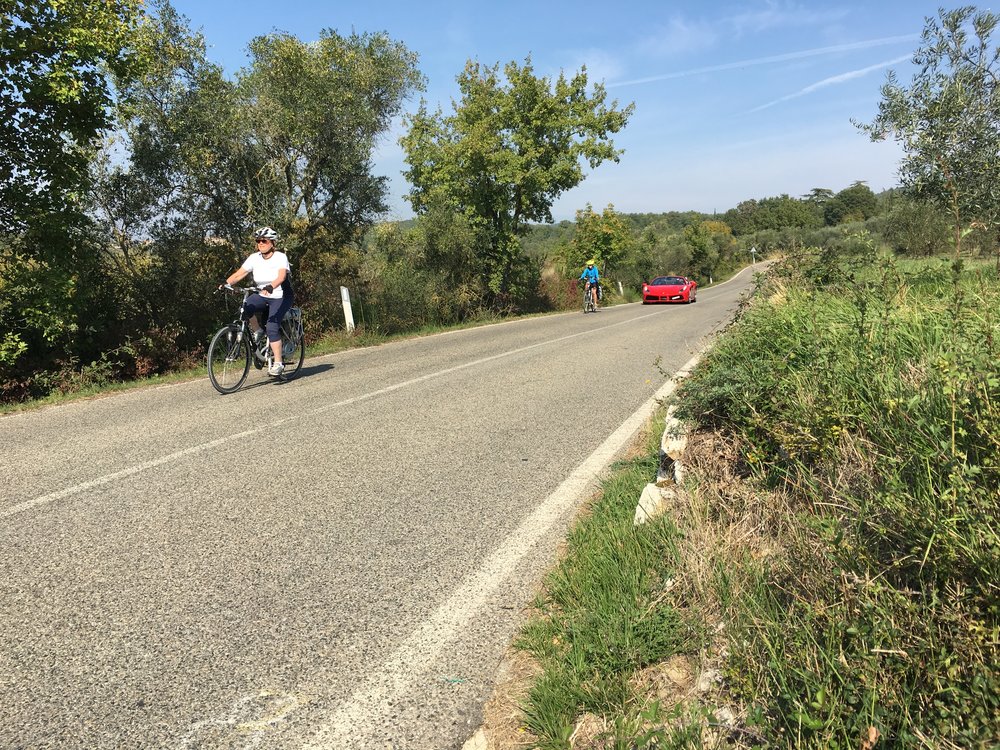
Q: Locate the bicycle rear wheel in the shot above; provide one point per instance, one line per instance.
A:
(294, 351)
(228, 359)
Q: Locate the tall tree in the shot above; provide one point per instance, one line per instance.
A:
(771, 213)
(704, 252)
(56, 59)
(189, 167)
(948, 119)
(513, 144)
(289, 142)
(318, 110)
(854, 203)
(605, 237)
(55, 96)
(818, 196)
(202, 158)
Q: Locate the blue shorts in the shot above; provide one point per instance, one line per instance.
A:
(276, 309)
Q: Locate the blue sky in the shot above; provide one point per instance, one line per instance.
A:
(734, 100)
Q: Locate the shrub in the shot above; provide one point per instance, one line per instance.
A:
(868, 393)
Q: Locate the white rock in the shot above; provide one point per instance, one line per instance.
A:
(674, 435)
(708, 679)
(652, 502)
(673, 445)
(477, 741)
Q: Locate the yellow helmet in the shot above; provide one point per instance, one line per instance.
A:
(590, 262)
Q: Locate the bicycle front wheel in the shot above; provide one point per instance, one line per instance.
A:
(228, 359)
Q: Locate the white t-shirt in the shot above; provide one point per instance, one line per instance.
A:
(266, 271)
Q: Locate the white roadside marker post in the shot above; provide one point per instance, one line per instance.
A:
(345, 297)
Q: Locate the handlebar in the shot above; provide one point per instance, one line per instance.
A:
(231, 288)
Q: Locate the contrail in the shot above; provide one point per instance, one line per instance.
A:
(849, 75)
(773, 59)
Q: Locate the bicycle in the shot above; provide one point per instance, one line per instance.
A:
(234, 347)
(588, 299)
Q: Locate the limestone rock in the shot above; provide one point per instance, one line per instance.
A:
(653, 502)
(477, 741)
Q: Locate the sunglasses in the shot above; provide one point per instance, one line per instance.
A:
(260, 242)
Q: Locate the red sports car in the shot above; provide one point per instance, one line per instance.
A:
(670, 289)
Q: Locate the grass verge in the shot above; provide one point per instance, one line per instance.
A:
(604, 615)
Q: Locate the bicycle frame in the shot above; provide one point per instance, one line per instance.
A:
(589, 295)
(244, 332)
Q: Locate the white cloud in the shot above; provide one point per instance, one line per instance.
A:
(680, 35)
(776, 15)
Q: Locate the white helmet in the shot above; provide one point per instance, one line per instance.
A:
(266, 233)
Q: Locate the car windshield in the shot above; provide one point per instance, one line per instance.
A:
(669, 281)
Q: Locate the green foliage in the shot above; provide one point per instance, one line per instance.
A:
(55, 59)
(855, 203)
(605, 237)
(513, 144)
(668, 222)
(915, 228)
(288, 143)
(317, 110)
(421, 276)
(867, 392)
(55, 96)
(770, 213)
(196, 161)
(711, 247)
(948, 119)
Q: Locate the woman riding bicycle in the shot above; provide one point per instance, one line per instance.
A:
(591, 276)
(270, 272)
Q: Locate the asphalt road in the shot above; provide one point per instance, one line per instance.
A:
(334, 562)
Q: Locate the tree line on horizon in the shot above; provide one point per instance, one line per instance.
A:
(133, 171)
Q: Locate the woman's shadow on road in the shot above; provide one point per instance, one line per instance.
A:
(305, 371)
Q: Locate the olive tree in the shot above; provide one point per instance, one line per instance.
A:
(948, 119)
(605, 237)
(318, 110)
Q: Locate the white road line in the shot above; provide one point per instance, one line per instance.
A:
(200, 448)
(394, 677)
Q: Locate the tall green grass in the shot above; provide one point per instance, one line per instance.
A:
(603, 616)
(866, 395)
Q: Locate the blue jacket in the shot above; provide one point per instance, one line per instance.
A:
(590, 274)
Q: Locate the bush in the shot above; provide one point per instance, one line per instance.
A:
(869, 393)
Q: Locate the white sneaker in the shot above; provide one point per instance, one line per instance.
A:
(276, 369)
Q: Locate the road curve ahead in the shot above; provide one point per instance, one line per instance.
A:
(334, 562)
